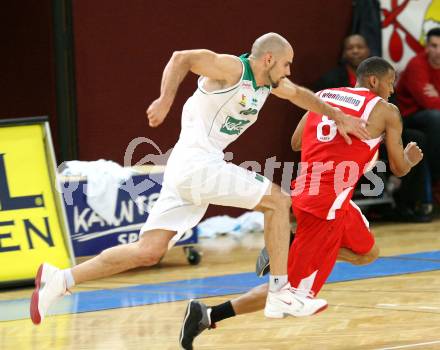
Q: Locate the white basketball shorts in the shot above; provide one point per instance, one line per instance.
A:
(188, 190)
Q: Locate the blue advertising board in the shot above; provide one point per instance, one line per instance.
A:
(90, 234)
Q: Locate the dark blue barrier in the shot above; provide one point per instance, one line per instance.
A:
(90, 234)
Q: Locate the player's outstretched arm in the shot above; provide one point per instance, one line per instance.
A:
(306, 99)
(225, 68)
(401, 160)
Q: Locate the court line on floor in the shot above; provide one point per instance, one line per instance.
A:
(410, 345)
(137, 295)
(421, 311)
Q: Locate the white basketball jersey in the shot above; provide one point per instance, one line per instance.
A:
(212, 120)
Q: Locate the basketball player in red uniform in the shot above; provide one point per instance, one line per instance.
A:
(329, 225)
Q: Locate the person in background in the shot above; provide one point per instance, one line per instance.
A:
(418, 97)
(355, 50)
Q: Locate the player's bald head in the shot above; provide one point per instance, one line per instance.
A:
(270, 43)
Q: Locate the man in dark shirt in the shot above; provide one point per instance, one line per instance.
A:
(354, 52)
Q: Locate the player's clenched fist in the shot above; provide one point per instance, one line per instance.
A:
(157, 112)
(413, 153)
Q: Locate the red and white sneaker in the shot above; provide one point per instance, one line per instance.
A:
(291, 301)
(50, 285)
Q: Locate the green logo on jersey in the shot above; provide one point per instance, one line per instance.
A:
(233, 126)
(249, 111)
(259, 177)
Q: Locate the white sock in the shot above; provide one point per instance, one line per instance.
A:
(209, 315)
(277, 282)
(68, 277)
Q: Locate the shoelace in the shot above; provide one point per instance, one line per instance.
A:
(303, 292)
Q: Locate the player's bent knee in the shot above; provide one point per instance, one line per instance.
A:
(149, 256)
(152, 246)
(374, 253)
(275, 200)
(281, 198)
(370, 257)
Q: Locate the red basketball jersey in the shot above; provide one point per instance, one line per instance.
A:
(330, 168)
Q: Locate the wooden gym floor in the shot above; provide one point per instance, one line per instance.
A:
(391, 312)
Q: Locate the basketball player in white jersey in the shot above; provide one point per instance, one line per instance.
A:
(231, 91)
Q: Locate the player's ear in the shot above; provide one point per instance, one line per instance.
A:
(268, 58)
(373, 81)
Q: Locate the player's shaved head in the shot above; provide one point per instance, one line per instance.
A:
(269, 43)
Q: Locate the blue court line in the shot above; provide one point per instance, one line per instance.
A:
(145, 294)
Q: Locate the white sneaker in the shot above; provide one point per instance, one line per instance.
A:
(294, 302)
(49, 286)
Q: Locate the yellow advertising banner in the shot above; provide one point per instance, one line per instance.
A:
(32, 230)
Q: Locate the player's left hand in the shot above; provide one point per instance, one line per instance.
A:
(347, 124)
(413, 154)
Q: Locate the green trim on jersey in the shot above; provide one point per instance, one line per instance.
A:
(248, 74)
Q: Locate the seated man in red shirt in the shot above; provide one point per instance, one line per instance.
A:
(418, 97)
